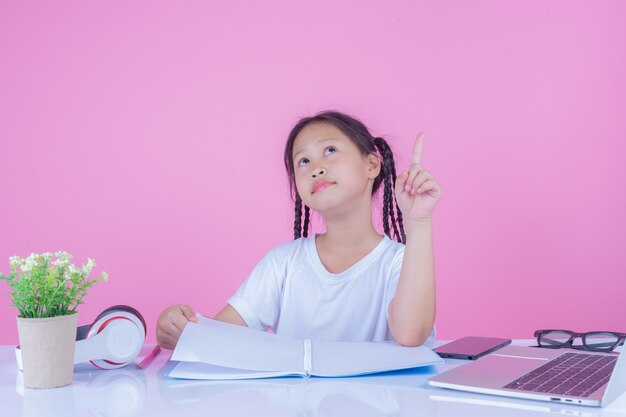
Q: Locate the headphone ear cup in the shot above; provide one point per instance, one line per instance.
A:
(128, 309)
(129, 328)
(134, 311)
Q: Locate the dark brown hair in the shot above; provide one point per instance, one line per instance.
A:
(367, 144)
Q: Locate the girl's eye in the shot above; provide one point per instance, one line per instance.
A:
(328, 151)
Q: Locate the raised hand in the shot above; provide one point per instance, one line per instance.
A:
(417, 191)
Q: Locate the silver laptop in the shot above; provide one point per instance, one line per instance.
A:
(558, 375)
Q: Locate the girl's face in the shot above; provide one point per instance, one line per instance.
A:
(329, 168)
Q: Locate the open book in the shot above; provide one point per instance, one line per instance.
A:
(212, 349)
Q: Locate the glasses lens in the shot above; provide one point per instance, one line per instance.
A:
(601, 340)
(554, 338)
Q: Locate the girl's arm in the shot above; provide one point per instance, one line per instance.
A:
(230, 315)
(412, 311)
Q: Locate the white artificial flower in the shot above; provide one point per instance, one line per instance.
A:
(60, 263)
(28, 264)
(14, 261)
(63, 255)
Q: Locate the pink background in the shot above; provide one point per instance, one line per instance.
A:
(149, 137)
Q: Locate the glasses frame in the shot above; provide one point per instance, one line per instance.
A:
(569, 343)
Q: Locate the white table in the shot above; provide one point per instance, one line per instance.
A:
(133, 392)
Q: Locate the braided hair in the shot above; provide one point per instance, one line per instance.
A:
(367, 144)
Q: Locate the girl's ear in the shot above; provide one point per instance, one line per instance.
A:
(373, 166)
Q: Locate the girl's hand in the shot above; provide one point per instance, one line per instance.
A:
(417, 191)
(171, 323)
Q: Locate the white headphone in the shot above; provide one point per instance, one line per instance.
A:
(113, 340)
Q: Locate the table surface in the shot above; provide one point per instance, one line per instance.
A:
(130, 391)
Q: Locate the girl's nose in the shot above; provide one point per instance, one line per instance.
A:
(318, 172)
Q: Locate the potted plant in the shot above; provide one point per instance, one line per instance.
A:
(46, 289)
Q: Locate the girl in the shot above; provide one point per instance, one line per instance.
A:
(349, 283)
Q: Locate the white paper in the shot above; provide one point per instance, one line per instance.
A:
(356, 358)
(199, 370)
(212, 349)
(231, 346)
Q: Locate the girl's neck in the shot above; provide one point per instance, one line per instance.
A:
(350, 232)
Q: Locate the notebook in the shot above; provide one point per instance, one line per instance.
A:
(558, 375)
(212, 349)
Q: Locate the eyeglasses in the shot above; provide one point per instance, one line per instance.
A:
(592, 341)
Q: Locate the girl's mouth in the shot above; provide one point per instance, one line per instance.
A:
(321, 185)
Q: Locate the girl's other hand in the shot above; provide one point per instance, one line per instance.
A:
(417, 191)
(171, 323)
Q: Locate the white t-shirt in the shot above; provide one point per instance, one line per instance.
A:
(291, 292)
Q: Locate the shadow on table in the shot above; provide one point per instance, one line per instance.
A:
(363, 395)
(112, 393)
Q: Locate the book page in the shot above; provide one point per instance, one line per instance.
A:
(199, 370)
(238, 347)
(352, 358)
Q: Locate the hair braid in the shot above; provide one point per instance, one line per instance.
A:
(385, 200)
(298, 228)
(389, 179)
(307, 216)
(389, 195)
(398, 211)
(297, 224)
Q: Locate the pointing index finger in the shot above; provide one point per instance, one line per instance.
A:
(416, 157)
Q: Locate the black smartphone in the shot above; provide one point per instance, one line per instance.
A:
(471, 347)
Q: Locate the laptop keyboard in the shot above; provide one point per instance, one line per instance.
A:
(573, 374)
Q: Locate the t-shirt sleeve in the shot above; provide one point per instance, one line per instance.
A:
(257, 300)
(396, 268)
